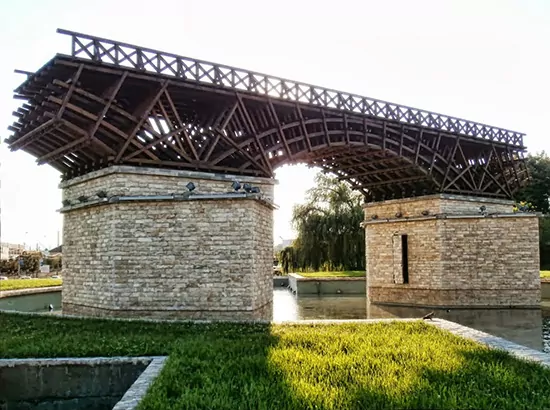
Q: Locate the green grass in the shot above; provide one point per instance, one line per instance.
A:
(13, 284)
(334, 274)
(259, 366)
(545, 273)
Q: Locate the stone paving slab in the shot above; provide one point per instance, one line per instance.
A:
(494, 342)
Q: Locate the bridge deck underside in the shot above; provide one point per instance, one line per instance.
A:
(80, 116)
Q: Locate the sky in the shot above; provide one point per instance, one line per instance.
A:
(483, 60)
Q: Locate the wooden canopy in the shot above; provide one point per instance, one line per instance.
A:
(114, 103)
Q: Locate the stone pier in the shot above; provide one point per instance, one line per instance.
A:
(447, 250)
(138, 243)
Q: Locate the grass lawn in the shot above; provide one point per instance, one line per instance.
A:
(12, 284)
(260, 366)
(545, 273)
(342, 274)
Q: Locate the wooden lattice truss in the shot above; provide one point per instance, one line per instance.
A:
(113, 103)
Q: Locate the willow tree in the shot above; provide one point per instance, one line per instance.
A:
(328, 227)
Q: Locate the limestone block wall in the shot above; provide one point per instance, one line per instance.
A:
(435, 205)
(457, 256)
(384, 260)
(499, 256)
(201, 259)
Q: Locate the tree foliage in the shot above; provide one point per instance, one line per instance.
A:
(31, 262)
(9, 267)
(328, 226)
(54, 263)
(538, 193)
(287, 257)
(538, 190)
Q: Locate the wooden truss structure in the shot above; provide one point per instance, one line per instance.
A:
(114, 103)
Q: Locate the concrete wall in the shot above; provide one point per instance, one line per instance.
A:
(201, 259)
(545, 289)
(456, 255)
(66, 384)
(326, 286)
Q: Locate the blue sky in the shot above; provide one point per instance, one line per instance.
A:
(484, 60)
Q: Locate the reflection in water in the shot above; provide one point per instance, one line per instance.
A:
(36, 302)
(523, 326)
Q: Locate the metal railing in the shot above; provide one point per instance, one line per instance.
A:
(131, 56)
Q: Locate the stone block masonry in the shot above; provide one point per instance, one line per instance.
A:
(457, 254)
(208, 258)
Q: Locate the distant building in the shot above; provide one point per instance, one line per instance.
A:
(10, 250)
(55, 252)
(285, 242)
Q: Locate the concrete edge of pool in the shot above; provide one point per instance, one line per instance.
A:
(78, 382)
(29, 291)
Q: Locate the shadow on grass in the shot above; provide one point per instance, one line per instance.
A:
(225, 369)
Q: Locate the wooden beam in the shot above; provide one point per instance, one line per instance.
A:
(179, 164)
(466, 164)
(346, 130)
(275, 119)
(155, 142)
(253, 129)
(143, 118)
(228, 114)
(28, 136)
(229, 140)
(499, 161)
(450, 161)
(92, 117)
(511, 157)
(377, 171)
(62, 151)
(485, 168)
(72, 87)
(108, 104)
(94, 140)
(303, 126)
(393, 181)
(325, 127)
(168, 120)
(459, 176)
(181, 125)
